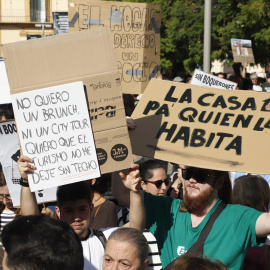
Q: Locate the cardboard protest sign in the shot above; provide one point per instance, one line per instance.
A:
(135, 29)
(4, 86)
(9, 155)
(86, 56)
(203, 127)
(242, 50)
(55, 131)
(204, 79)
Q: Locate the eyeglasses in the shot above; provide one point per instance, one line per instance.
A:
(3, 196)
(199, 175)
(159, 183)
(254, 79)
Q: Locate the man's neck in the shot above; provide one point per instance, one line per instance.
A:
(197, 218)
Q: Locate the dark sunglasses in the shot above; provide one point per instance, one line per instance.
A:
(159, 183)
(199, 175)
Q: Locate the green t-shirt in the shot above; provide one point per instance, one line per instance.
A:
(232, 234)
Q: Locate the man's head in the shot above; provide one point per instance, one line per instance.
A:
(74, 206)
(126, 248)
(154, 177)
(41, 243)
(202, 186)
(254, 78)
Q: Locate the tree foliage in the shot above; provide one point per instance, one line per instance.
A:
(183, 30)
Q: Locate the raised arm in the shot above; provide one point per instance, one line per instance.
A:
(29, 204)
(132, 182)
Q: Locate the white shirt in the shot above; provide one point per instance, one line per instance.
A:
(93, 250)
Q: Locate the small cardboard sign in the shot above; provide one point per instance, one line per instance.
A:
(135, 29)
(203, 127)
(55, 131)
(242, 50)
(204, 79)
(9, 155)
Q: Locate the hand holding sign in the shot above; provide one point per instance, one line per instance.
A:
(132, 180)
(25, 166)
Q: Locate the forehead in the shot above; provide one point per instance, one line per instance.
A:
(76, 204)
(253, 76)
(121, 250)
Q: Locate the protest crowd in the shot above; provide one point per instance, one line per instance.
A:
(155, 213)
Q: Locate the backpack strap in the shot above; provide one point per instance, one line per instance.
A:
(100, 235)
(197, 247)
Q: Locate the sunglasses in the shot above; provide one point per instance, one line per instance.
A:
(254, 79)
(159, 183)
(199, 175)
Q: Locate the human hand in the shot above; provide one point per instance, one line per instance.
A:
(25, 166)
(131, 123)
(132, 179)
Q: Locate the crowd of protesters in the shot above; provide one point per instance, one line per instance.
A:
(192, 218)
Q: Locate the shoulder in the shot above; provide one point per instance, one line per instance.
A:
(107, 232)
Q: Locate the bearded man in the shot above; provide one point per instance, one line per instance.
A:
(178, 224)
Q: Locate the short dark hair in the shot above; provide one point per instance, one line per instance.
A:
(73, 192)
(41, 243)
(146, 168)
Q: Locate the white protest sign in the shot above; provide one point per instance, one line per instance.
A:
(9, 154)
(204, 79)
(55, 131)
(4, 86)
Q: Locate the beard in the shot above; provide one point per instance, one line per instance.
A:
(196, 205)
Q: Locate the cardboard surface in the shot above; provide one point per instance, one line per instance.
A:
(9, 154)
(86, 56)
(135, 29)
(204, 79)
(55, 131)
(203, 127)
(242, 51)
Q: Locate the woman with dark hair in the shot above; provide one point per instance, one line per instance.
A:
(253, 191)
(104, 213)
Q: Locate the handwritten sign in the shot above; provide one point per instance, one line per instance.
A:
(9, 155)
(55, 131)
(135, 29)
(203, 127)
(204, 79)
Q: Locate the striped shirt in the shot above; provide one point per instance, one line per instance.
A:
(6, 216)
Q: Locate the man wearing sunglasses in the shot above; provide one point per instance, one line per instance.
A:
(255, 82)
(154, 177)
(177, 224)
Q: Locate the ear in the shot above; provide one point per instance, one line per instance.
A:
(145, 265)
(57, 210)
(143, 185)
